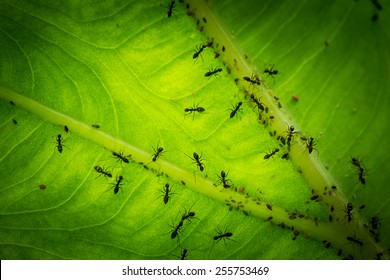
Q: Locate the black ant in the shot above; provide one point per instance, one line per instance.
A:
(271, 71)
(100, 170)
(166, 193)
(198, 51)
(310, 145)
(117, 186)
(213, 72)
(271, 154)
(354, 240)
(362, 172)
(186, 216)
(157, 153)
(221, 236)
(223, 179)
(235, 109)
(253, 81)
(170, 8)
(197, 160)
(59, 144)
(121, 157)
(259, 104)
(290, 134)
(193, 110)
(176, 229)
(184, 254)
(348, 210)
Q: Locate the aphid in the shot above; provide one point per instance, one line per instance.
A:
(193, 110)
(12, 103)
(166, 193)
(66, 129)
(213, 71)
(314, 197)
(331, 208)
(96, 126)
(170, 8)
(198, 161)
(224, 180)
(117, 185)
(204, 20)
(330, 218)
(270, 218)
(339, 252)
(184, 254)
(198, 51)
(310, 145)
(235, 109)
(348, 211)
(14, 121)
(223, 48)
(210, 43)
(121, 157)
(216, 55)
(100, 170)
(374, 17)
(59, 144)
(253, 81)
(42, 186)
(157, 153)
(259, 104)
(362, 206)
(282, 140)
(354, 240)
(326, 243)
(269, 207)
(271, 154)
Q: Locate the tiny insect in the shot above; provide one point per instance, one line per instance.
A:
(354, 240)
(59, 144)
(166, 193)
(259, 104)
(170, 8)
(121, 157)
(198, 161)
(285, 156)
(204, 20)
(295, 98)
(66, 129)
(116, 186)
(198, 51)
(290, 134)
(269, 207)
(271, 71)
(184, 254)
(221, 236)
(193, 110)
(377, 5)
(157, 153)
(96, 126)
(42, 186)
(213, 71)
(348, 211)
(362, 172)
(188, 215)
(176, 229)
(223, 48)
(235, 109)
(271, 154)
(14, 121)
(254, 80)
(100, 170)
(374, 222)
(224, 180)
(310, 145)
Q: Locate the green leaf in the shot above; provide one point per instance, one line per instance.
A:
(120, 75)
